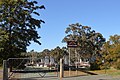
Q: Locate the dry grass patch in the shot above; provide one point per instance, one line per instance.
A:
(110, 71)
(113, 73)
(74, 73)
(1, 73)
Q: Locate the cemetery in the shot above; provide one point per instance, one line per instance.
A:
(41, 40)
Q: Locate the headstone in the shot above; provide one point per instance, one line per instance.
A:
(80, 60)
(42, 60)
(52, 61)
(46, 60)
(66, 60)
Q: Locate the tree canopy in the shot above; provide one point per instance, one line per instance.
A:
(89, 41)
(19, 25)
(111, 52)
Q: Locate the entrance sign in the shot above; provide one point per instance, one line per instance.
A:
(72, 43)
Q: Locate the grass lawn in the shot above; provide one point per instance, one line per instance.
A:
(1, 67)
(113, 73)
(109, 72)
(1, 72)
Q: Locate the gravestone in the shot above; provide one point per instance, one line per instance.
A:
(52, 61)
(46, 60)
(66, 60)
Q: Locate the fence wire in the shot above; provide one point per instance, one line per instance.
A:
(31, 68)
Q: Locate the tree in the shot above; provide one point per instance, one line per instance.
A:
(3, 39)
(57, 53)
(89, 42)
(111, 52)
(44, 53)
(16, 19)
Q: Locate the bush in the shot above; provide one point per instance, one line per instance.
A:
(117, 64)
(94, 66)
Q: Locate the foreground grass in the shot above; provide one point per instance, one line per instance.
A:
(1, 67)
(113, 73)
(1, 72)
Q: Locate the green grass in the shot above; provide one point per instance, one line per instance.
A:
(117, 73)
(0, 72)
(1, 67)
(111, 72)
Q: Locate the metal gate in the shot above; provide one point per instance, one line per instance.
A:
(23, 68)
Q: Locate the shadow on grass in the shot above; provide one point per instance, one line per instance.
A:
(74, 76)
(84, 71)
(91, 73)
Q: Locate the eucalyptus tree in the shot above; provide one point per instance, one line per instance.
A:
(30, 54)
(16, 19)
(3, 40)
(45, 52)
(57, 53)
(111, 52)
(89, 42)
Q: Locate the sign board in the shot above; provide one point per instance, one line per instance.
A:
(72, 43)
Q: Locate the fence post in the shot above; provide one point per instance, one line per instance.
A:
(61, 68)
(5, 70)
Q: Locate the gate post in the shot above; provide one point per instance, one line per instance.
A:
(61, 68)
(5, 70)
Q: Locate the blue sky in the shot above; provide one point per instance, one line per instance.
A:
(101, 15)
